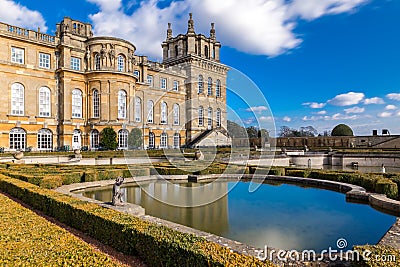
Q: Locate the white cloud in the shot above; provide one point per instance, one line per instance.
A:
(287, 119)
(265, 119)
(262, 27)
(347, 99)
(312, 9)
(322, 112)
(390, 107)
(385, 114)
(393, 96)
(339, 116)
(16, 14)
(373, 100)
(258, 109)
(314, 104)
(354, 110)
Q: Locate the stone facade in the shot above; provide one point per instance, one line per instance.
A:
(63, 90)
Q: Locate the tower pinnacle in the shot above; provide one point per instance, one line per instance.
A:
(169, 31)
(190, 24)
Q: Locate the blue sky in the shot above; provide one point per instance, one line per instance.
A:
(317, 62)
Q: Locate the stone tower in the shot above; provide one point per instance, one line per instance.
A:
(199, 56)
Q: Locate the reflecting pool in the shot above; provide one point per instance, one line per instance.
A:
(282, 216)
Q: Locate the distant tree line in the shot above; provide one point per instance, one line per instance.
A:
(235, 130)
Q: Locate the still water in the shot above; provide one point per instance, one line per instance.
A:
(281, 216)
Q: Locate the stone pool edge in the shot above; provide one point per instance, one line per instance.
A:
(353, 193)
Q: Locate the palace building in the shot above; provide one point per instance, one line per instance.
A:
(61, 91)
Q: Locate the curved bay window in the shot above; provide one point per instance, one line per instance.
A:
(45, 140)
(17, 138)
(123, 139)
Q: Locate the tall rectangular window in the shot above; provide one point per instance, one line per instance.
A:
(176, 86)
(17, 99)
(44, 102)
(137, 74)
(76, 103)
(96, 104)
(150, 80)
(75, 63)
(163, 83)
(17, 55)
(44, 60)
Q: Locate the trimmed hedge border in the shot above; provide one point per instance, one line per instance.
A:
(158, 245)
(34, 241)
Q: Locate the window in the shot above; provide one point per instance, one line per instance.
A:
(76, 103)
(17, 99)
(97, 61)
(218, 88)
(200, 88)
(150, 80)
(163, 83)
(176, 114)
(218, 118)
(96, 103)
(123, 139)
(177, 140)
(17, 55)
(76, 63)
(201, 116)
(138, 109)
(121, 104)
(150, 111)
(44, 60)
(176, 86)
(209, 118)
(164, 141)
(164, 113)
(206, 51)
(209, 86)
(137, 74)
(151, 140)
(94, 139)
(121, 63)
(44, 102)
(45, 140)
(17, 139)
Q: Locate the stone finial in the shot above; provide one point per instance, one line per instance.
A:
(212, 31)
(190, 24)
(169, 31)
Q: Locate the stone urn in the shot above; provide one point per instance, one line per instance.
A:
(198, 155)
(77, 151)
(18, 155)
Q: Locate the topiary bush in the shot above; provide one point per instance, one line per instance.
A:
(387, 187)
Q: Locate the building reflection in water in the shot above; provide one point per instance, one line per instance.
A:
(212, 217)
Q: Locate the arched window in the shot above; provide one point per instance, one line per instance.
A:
(164, 113)
(121, 63)
(200, 85)
(123, 139)
(44, 102)
(97, 62)
(218, 117)
(17, 139)
(177, 140)
(151, 140)
(206, 51)
(96, 103)
(176, 114)
(94, 139)
(76, 103)
(218, 88)
(209, 118)
(138, 109)
(176, 51)
(201, 116)
(76, 139)
(17, 99)
(45, 140)
(150, 111)
(209, 86)
(164, 141)
(121, 104)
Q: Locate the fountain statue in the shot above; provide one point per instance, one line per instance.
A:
(117, 192)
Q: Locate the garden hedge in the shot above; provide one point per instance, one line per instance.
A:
(158, 245)
(29, 240)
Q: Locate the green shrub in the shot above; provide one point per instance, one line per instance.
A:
(51, 182)
(298, 173)
(158, 245)
(387, 187)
